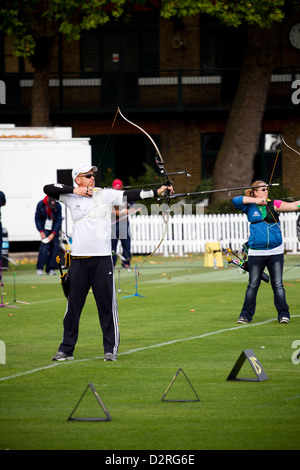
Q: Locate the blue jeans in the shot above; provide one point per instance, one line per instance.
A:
(256, 266)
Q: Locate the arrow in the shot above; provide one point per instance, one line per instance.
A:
(172, 196)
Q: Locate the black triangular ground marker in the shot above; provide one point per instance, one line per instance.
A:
(255, 364)
(96, 395)
(170, 385)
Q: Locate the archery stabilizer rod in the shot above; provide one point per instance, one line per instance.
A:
(184, 172)
(59, 265)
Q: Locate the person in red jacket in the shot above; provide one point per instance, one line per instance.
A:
(48, 221)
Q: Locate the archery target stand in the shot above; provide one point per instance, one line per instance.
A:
(2, 304)
(136, 287)
(249, 355)
(107, 416)
(15, 294)
(176, 399)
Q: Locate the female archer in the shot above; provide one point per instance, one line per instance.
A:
(265, 247)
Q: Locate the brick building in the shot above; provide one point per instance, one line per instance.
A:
(176, 79)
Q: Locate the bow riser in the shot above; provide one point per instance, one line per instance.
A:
(244, 266)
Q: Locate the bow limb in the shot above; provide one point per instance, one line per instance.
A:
(298, 153)
(288, 146)
(166, 180)
(144, 132)
(159, 159)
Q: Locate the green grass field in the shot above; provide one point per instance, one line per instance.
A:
(187, 319)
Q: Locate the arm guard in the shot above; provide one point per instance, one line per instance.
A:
(55, 190)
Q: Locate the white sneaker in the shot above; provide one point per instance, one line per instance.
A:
(51, 273)
(110, 357)
(284, 320)
(61, 356)
(40, 272)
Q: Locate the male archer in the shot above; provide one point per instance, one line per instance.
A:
(91, 264)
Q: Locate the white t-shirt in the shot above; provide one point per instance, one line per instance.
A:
(92, 221)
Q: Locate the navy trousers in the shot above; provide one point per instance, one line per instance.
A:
(120, 231)
(47, 253)
(95, 272)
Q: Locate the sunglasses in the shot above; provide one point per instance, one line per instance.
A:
(91, 175)
(262, 189)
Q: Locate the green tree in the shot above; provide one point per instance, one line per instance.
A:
(34, 26)
(236, 156)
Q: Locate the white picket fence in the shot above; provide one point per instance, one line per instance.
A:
(189, 233)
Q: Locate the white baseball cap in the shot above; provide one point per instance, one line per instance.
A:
(85, 168)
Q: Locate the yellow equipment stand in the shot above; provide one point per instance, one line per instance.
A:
(213, 255)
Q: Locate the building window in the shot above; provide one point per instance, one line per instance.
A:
(10, 63)
(221, 46)
(222, 51)
(211, 144)
(131, 45)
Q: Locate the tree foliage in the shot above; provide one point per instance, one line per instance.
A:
(28, 21)
(230, 13)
